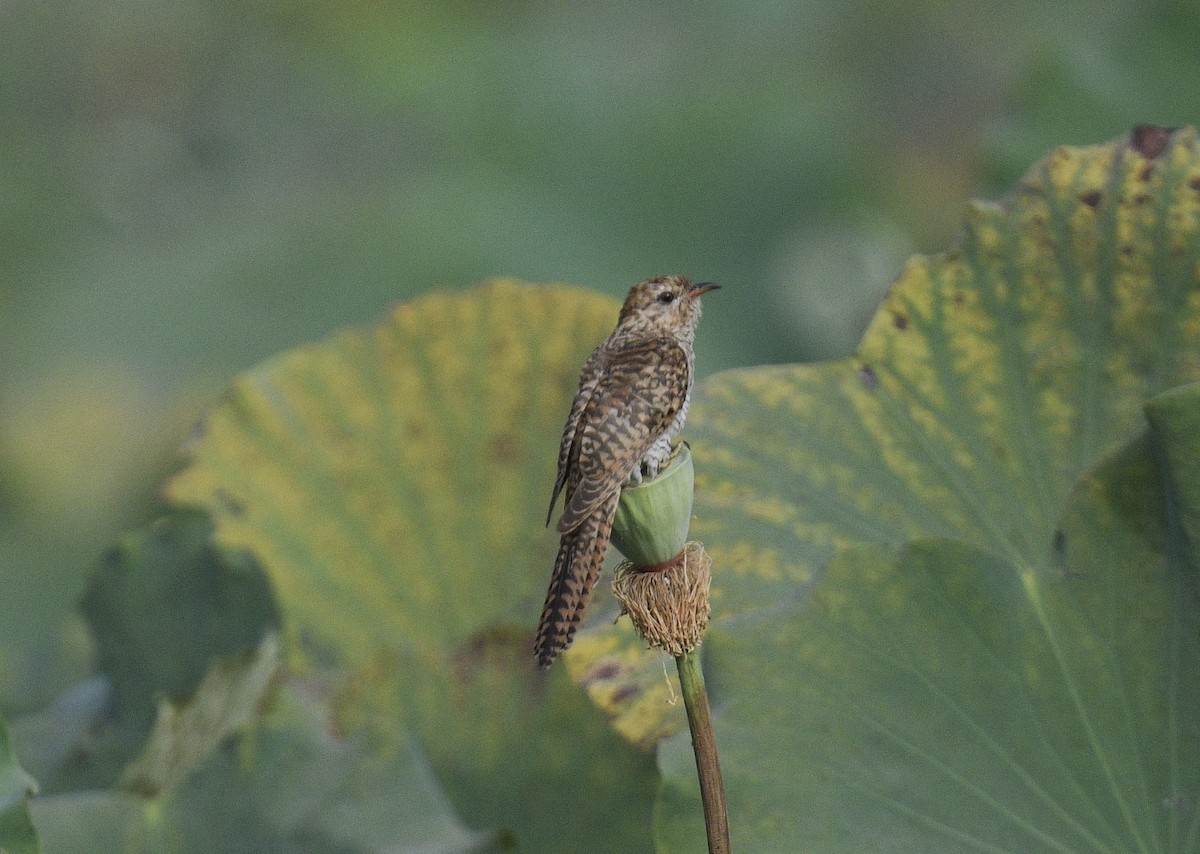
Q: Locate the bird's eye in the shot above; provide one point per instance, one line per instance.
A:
(666, 297)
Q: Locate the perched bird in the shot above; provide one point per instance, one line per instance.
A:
(633, 398)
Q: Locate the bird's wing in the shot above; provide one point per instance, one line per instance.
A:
(588, 379)
(636, 398)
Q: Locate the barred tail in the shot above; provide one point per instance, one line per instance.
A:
(580, 557)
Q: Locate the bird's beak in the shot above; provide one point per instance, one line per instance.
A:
(695, 290)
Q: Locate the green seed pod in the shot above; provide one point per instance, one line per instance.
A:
(651, 525)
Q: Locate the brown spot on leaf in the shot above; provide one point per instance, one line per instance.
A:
(1145, 173)
(499, 349)
(1149, 140)
(625, 692)
(900, 321)
(504, 450)
(414, 429)
(959, 298)
(567, 379)
(225, 502)
(601, 671)
(1194, 183)
(1142, 199)
(1091, 198)
(495, 647)
(867, 377)
(1060, 547)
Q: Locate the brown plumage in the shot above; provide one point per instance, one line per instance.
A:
(633, 399)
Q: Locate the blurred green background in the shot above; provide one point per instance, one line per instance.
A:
(191, 186)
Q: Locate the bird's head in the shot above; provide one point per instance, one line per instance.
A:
(668, 302)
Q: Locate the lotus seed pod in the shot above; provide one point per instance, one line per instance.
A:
(668, 606)
(651, 525)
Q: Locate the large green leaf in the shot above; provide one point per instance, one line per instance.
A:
(992, 658)
(392, 484)
(948, 699)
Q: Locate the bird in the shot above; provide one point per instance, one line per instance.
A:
(634, 392)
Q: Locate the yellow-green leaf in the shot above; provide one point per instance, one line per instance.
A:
(990, 660)
(992, 377)
(392, 482)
